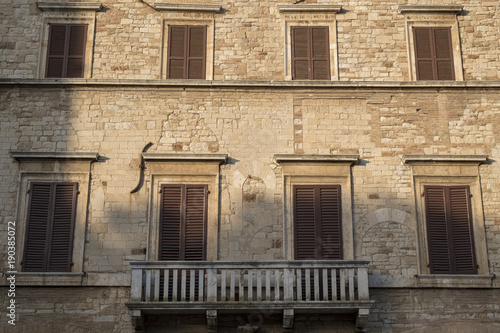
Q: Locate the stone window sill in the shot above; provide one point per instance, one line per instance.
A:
(43, 279)
(454, 281)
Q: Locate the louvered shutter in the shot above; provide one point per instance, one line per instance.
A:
(186, 52)
(183, 222)
(310, 53)
(50, 227)
(449, 230)
(433, 53)
(317, 216)
(66, 50)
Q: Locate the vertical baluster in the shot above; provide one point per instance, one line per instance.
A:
(250, 285)
(183, 285)
(175, 280)
(232, 287)
(351, 284)
(287, 285)
(211, 285)
(308, 284)
(192, 284)
(241, 291)
(156, 285)
(325, 284)
(259, 285)
(363, 284)
(148, 285)
(268, 285)
(136, 286)
(316, 284)
(277, 285)
(223, 297)
(334, 284)
(299, 285)
(342, 284)
(201, 285)
(166, 277)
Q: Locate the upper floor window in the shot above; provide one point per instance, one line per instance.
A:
(50, 226)
(186, 52)
(310, 53)
(66, 50)
(433, 53)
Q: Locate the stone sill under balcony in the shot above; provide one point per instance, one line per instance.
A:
(227, 287)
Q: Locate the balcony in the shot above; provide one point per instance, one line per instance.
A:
(321, 286)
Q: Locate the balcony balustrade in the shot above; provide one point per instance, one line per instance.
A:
(288, 286)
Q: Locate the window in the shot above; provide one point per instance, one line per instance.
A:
(50, 227)
(183, 220)
(66, 50)
(67, 39)
(186, 52)
(310, 53)
(433, 42)
(449, 230)
(433, 53)
(318, 222)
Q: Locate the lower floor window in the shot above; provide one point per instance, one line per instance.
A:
(449, 230)
(50, 227)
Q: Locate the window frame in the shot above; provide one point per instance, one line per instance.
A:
(68, 13)
(448, 170)
(186, 51)
(434, 58)
(432, 17)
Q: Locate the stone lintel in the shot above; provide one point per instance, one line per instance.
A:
(53, 155)
(188, 7)
(313, 7)
(171, 157)
(299, 158)
(445, 158)
(72, 6)
(454, 9)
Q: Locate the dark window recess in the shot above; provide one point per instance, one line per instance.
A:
(50, 227)
(183, 222)
(66, 50)
(433, 53)
(310, 53)
(186, 52)
(449, 230)
(318, 222)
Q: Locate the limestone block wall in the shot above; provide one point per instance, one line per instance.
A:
(249, 39)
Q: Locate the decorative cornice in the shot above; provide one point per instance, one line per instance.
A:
(188, 7)
(72, 6)
(53, 155)
(171, 157)
(306, 8)
(299, 84)
(445, 158)
(294, 158)
(430, 9)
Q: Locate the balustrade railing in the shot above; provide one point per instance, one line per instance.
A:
(220, 282)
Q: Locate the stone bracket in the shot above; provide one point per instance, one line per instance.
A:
(137, 319)
(362, 319)
(288, 316)
(212, 324)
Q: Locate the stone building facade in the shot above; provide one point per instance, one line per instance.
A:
(252, 131)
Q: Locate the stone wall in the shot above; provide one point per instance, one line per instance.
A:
(250, 40)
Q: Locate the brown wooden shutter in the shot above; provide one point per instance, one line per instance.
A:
(433, 53)
(50, 227)
(449, 230)
(317, 216)
(66, 50)
(183, 222)
(310, 53)
(186, 52)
